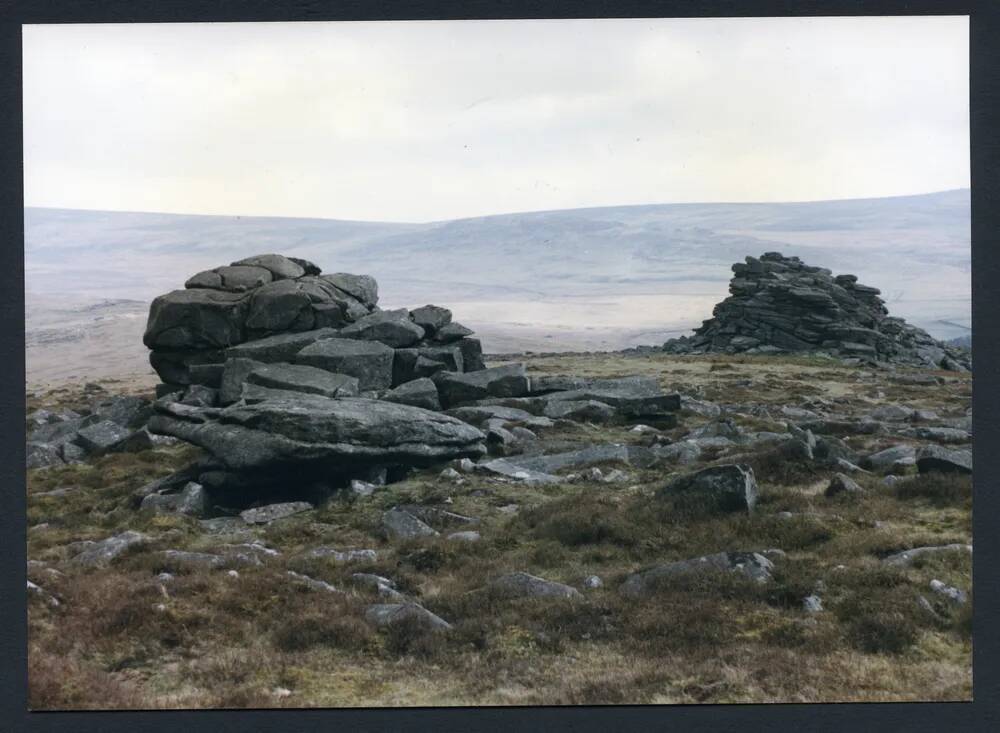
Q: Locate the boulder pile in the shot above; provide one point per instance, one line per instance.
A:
(779, 304)
(298, 385)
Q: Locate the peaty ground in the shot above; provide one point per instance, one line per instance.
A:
(120, 637)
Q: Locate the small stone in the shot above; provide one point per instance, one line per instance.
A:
(468, 536)
(956, 596)
(843, 484)
(451, 474)
(233, 574)
(272, 512)
(592, 581)
(812, 604)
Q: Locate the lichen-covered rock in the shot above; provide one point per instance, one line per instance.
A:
(946, 460)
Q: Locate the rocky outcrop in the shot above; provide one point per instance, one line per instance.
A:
(779, 304)
(271, 308)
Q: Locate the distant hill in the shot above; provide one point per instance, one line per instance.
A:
(581, 278)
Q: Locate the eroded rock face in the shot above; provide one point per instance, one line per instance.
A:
(780, 304)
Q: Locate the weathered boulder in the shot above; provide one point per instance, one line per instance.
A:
(279, 266)
(452, 332)
(316, 429)
(842, 484)
(937, 458)
(101, 436)
(271, 512)
(524, 585)
(103, 552)
(402, 525)
(503, 381)
(392, 328)
(908, 557)
(431, 318)
(392, 614)
(894, 458)
(303, 378)
(418, 393)
(580, 411)
(43, 455)
(196, 319)
(280, 348)
(726, 488)
(752, 565)
(368, 361)
(126, 410)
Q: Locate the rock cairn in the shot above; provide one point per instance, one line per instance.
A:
(779, 304)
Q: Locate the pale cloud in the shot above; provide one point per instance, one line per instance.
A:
(434, 120)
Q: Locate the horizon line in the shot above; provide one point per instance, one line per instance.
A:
(507, 213)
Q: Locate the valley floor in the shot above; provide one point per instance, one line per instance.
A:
(250, 635)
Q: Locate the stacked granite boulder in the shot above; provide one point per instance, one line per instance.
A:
(275, 306)
(298, 385)
(779, 304)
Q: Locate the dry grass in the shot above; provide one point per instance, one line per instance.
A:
(121, 638)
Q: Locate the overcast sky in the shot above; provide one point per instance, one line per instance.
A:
(435, 120)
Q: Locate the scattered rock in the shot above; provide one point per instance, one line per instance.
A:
(401, 525)
(730, 487)
(103, 552)
(750, 564)
(391, 614)
(273, 512)
(956, 596)
(523, 585)
(466, 536)
(841, 483)
(936, 458)
(908, 557)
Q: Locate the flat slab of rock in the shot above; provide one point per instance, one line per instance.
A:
(890, 458)
(101, 436)
(315, 429)
(576, 459)
(503, 381)
(908, 557)
(946, 460)
(343, 556)
(508, 469)
(392, 614)
(753, 565)
(580, 411)
(103, 552)
(272, 512)
(303, 378)
(417, 393)
(731, 487)
(524, 585)
(368, 361)
(402, 525)
(843, 484)
(392, 328)
(280, 348)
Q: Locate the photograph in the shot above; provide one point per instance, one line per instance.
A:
(485, 363)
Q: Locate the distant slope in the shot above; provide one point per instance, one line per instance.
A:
(581, 278)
